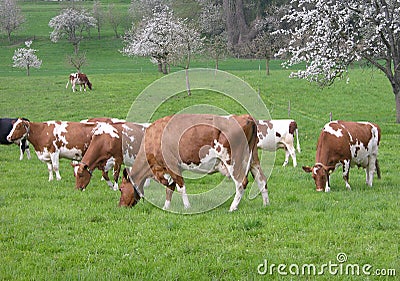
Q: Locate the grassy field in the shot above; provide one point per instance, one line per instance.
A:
(49, 231)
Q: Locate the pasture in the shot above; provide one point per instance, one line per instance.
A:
(49, 231)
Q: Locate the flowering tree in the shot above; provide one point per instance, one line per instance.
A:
(329, 35)
(26, 58)
(70, 24)
(10, 17)
(162, 37)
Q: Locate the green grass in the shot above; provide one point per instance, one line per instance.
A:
(49, 231)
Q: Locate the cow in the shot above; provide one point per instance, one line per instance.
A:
(200, 143)
(78, 79)
(112, 145)
(53, 140)
(6, 125)
(275, 134)
(347, 144)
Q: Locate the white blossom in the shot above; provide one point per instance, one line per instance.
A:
(26, 58)
(70, 24)
(328, 35)
(162, 37)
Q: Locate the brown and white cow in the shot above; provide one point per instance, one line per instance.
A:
(348, 144)
(112, 145)
(199, 143)
(279, 133)
(78, 79)
(53, 140)
(6, 125)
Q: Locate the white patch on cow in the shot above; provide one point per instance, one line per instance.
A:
(330, 130)
(105, 128)
(211, 162)
(127, 133)
(359, 154)
(109, 164)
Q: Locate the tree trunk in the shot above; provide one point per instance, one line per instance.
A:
(27, 70)
(187, 82)
(397, 97)
(267, 66)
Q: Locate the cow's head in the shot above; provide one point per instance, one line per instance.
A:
(82, 175)
(19, 130)
(320, 174)
(129, 195)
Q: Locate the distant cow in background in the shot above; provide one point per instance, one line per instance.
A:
(275, 134)
(6, 125)
(79, 79)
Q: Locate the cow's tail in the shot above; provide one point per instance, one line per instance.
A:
(89, 84)
(298, 141)
(378, 170)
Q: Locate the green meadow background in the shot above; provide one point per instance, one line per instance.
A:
(49, 231)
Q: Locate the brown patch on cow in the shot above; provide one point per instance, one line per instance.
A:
(278, 134)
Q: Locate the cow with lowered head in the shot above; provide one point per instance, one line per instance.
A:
(113, 144)
(200, 143)
(78, 79)
(349, 144)
(6, 125)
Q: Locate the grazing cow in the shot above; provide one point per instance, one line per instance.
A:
(275, 134)
(200, 143)
(78, 79)
(349, 144)
(6, 125)
(53, 140)
(112, 144)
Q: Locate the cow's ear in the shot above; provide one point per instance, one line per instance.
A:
(307, 169)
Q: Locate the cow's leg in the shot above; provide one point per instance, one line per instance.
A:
(185, 198)
(55, 160)
(105, 177)
(238, 196)
(346, 169)
(261, 180)
(50, 169)
(286, 158)
(117, 169)
(21, 149)
(370, 170)
(290, 150)
(168, 196)
(181, 188)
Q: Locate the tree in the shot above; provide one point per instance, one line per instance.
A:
(212, 25)
(115, 18)
(70, 24)
(268, 41)
(240, 16)
(10, 17)
(329, 35)
(26, 58)
(162, 37)
(77, 60)
(98, 15)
